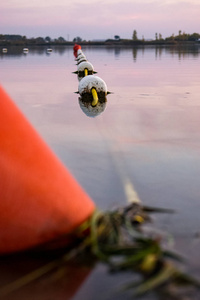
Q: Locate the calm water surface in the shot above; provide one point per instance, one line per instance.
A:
(149, 131)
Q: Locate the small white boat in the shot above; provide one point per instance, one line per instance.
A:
(49, 50)
(25, 50)
(4, 50)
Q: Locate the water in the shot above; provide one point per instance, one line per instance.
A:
(148, 131)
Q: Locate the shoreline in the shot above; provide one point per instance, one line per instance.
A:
(100, 43)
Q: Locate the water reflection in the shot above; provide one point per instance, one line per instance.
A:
(117, 52)
(158, 52)
(59, 281)
(32, 50)
(184, 50)
(181, 51)
(135, 50)
(92, 111)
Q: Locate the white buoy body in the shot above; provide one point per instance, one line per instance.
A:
(80, 56)
(92, 81)
(85, 68)
(80, 59)
(85, 65)
(79, 51)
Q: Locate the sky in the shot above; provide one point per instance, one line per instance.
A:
(99, 19)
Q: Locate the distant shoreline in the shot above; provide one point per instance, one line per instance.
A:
(109, 42)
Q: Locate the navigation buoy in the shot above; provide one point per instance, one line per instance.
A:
(84, 68)
(92, 88)
(79, 51)
(80, 56)
(81, 59)
(76, 48)
(39, 199)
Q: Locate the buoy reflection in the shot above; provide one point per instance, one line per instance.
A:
(90, 110)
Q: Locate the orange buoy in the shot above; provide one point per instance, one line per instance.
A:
(39, 199)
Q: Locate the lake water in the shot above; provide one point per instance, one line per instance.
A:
(148, 132)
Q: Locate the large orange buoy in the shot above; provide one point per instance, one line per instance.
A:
(39, 199)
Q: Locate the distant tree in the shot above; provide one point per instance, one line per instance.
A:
(160, 37)
(77, 39)
(156, 36)
(61, 39)
(194, 37)
(181, 36)
(47, 39)
(117, 37)
(185, 36)
(134, 37)
(170, 38)
(13, 37)
(40, 40)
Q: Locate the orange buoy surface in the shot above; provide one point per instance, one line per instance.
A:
(39, 199)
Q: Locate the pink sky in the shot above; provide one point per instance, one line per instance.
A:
(99, 19)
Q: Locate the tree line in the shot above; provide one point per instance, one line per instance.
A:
(15, 39)
(19, 39)
(180, 37)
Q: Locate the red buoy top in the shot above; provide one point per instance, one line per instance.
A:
(75, 48)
